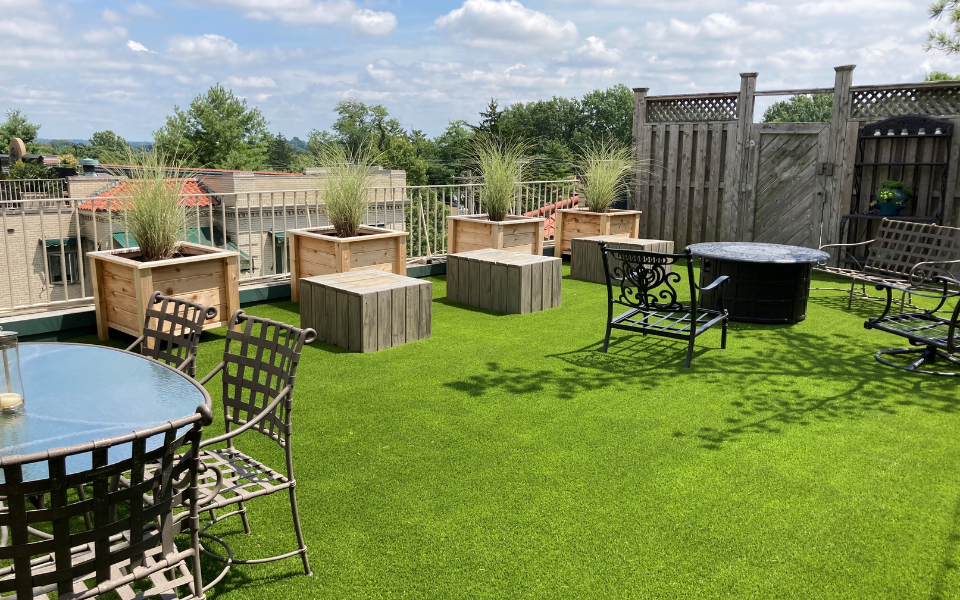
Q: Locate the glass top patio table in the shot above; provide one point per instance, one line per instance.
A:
(78, 393)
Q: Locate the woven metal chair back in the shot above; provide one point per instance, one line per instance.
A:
(646, 280)
(49, 546)
(172, 328)
(900, 245)
(260, 359)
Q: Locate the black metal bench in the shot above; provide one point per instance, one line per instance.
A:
(933, 335)
(643, 282)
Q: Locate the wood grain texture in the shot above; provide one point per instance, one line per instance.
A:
(475, 232)
(586, 260)
(508, 282)
(367, 310)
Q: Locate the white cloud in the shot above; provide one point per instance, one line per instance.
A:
(345, 14)
(252, 82)
(104, 36)
(853, 7)
(111, 16)
(760, 9)
(262, 97)
(139, 9)
(138, 47)
(595, 49)
(505, 23)
(27, 29)
(209, 47)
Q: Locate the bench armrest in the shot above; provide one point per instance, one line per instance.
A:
(926, 263)
(845, 250)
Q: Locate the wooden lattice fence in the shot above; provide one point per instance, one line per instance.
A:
(714, 174)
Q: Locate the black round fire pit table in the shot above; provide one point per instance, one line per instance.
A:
(769, 283)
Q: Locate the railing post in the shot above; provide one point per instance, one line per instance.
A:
(640, 150)
(734, 223)
(837, 155)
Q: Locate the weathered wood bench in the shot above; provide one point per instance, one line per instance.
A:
(509, 282)
(906, 255)
(586, 259)
(366, 310)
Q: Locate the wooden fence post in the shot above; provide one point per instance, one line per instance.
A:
(735, 202)
(838, 157)
(640, 151)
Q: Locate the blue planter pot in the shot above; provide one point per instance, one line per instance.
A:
(892, 208)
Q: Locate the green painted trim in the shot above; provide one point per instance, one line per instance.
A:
(431, 270)
(264, 293)
(70, 241)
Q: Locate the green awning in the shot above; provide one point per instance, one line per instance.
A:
(199, 236)
(124, 240)
(278, 236)
(56, 242)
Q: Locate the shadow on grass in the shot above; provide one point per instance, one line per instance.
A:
(471, 308)
(783, 377)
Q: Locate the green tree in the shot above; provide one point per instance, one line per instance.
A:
(945, 41)
(107, 147)
(218, 131)
(17, 126)
(801, 108)
(448, 154)
(940, 76)
(279, 153)
(490, 118)
(359, 123)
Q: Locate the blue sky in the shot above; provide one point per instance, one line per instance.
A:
(78, 66)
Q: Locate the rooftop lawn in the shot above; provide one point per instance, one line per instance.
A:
(507, 457)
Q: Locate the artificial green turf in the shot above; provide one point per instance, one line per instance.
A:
(507, 457)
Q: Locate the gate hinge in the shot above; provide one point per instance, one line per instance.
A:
(825, 168)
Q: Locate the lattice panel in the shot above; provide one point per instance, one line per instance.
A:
(712, 108)
(905, 101)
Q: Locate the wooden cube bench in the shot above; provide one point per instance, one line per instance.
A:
(367, 310)
(586, 262)
(509, 282)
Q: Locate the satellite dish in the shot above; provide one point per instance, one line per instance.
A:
(17, 149)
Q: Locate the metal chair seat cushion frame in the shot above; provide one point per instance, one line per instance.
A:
(171, 333)
(125, 553)
(258, 373)
(904, 254)
(639, 280)
(932, 335)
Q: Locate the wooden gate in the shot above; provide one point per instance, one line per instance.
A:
(789, 184)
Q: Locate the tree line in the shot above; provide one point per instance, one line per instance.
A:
(220, 130)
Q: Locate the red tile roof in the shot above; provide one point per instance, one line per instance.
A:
(113, 197)
(550, 211)
(199, 170)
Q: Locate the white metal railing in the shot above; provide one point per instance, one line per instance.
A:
(45, 243)
(31, 194)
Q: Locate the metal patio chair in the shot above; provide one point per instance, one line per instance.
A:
(259, 369)
(932, 336)
(48, 547)
(171, 332)
(643, 282)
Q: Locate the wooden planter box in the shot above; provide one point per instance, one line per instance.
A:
(509, 282)
(475, 232)
(575, 222)
(318, 251)
(122, 286)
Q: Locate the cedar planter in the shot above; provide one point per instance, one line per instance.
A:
(122, 285)
(576, 222)
(318, 251)
(475, 232)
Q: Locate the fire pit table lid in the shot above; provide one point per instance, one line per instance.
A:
(758, 252)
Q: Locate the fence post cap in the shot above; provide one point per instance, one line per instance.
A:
(641, 89)
(845, 68)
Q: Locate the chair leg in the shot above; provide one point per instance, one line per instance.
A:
(689, 353)
(853, 283)
(243, 517)
(606, 340)
(299, 530)
(723, 335)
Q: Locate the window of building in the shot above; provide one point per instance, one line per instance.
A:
(65, 265)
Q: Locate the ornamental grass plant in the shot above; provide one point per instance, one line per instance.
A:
(603, 168)
(154, 214)
(501, 164)
(348, 174)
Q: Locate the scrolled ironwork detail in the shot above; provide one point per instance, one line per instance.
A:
(640, 279)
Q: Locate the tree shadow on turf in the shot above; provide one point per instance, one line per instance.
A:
(785, 378)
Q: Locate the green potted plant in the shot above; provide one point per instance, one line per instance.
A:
(501, 165)
(153, 216)
(891, 198)
(603, 169)
(346, 244)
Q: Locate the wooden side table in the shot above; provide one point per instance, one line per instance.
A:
(366, 310)
(509, 282)
(586, 261)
